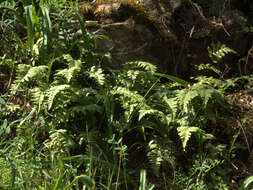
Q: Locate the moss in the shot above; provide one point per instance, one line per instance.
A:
(86, 9)
(130, 2)
(123, 10)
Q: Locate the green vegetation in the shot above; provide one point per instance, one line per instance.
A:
(69, 122)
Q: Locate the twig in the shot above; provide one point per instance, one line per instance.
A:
(246, 139)
(117, 181)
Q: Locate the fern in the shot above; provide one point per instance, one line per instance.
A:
(53, 91)
(133, 95)
(208, 94)
(173, 105)
(140, 65)
(155, 156)
(60, 142)
(204, 95)
(97, 74)
(210, 68)
(144, 112)
(27, 73)
(160, 151)
(218, 51)
(187, 98)
(160, 116)
(38, 97)
(74, 67)
(185, 133)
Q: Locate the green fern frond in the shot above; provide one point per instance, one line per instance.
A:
(38, 97)
(211, 81)
(173, 105)
(133, 74)
(218, 51)
(130, 100)
(208, 93)
(52, 92)
(59, 142)
(21, 71)
(190, 95)
(209, 67)
(35, 71)
(27, 73)
(74, 67)
(141, 65)
(154, 156)
(185, 133)
(159, 115)
(133, 95)
(146, 110)
(97, 74)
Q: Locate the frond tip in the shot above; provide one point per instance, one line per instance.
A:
(52, 92)
(185, 133)
(141, 65)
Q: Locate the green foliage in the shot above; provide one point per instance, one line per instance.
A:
(218, 51)
(80, 117)
(143, 183)
(247, 182)
(185, 132)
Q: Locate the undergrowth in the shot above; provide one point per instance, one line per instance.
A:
(69, 122)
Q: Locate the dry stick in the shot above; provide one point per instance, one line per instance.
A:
(246, 139)
(247, 59)
(165, 183)
(120, 155)
(225, 29)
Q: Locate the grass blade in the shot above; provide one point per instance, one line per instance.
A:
(84, 32)
(46, 31)
(59, 180)
(172, 78)
(87, 181)
(142, 180)
(13, 171)
(30, 25)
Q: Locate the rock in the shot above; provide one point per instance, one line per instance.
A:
(172, 34)
(129, 42)
(107, 9)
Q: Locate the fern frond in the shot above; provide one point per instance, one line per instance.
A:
(159, 115)
(173, 105)
(27, 73)
(141, 65)
(68, 73)
(38, 97)
(209, 67)
(133, 95)
(133, 74)
(185, 133)
(218, 51)
(97, 74)
(34, 71)
(187, 100)
(208, 93)
(59, 142)
(147, 110)
(52, 92)
(154, 156)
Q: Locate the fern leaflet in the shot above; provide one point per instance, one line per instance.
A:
(53, 91)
